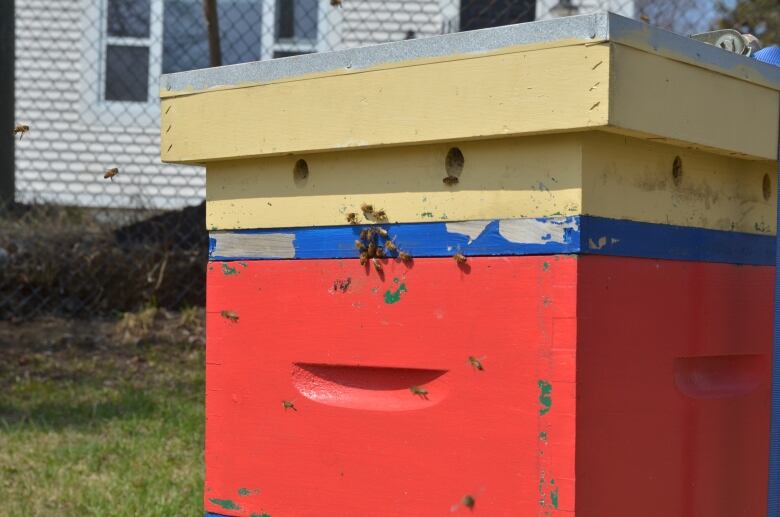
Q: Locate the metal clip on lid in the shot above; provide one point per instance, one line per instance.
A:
(731, 40)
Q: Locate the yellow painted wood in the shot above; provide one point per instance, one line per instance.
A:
(659, 97)
(628, 178)
(485, 96)
(519, 177)
(594, 173)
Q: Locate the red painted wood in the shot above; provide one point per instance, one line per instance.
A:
(671, 369)
(673, 388)
(362, 444)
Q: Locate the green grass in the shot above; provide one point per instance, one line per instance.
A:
(114, 429)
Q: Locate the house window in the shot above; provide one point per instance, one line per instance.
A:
(145, 38)
(128, 31)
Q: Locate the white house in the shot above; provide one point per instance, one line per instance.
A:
(87, 74)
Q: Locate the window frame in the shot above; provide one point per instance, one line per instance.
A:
(96, 110)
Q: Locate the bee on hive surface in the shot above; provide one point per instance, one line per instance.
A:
(229, 315)
(382, 232)
(20, 130)
(364, 234)
(390, 246)
(367, 209)
(450, 181)
(380, 252)
(380, 215)
(476, 363)
(110, 173)
(352, 218)
(419, 391)
(404, 256)
(359, 245)
(363, 258)
(460, 258)
(377, 264)
(372, 249)
(288, 404)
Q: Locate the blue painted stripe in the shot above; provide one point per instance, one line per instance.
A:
(543, 236)
(634, 239)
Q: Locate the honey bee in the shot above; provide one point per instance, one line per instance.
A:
(20, 130)
(377, 264)
(468, 501)
(364, 234)
(404, 256)
(476, 363)
(380, 252)
(229, 315)
(450, 181)
(380, 215)
(372, 249)
(460, 258)
(363, 258)
(382, 232)
(419, 391)
(352, 218)
(359, 245)
(644, 18)
(367, 209)
(335, 3)
(390, 246)
(110, 173)
(288, 404)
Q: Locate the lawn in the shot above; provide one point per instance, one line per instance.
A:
(102, 417)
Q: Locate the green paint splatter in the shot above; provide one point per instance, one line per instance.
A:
(227, 270)
(545, 397)
(247, 491)
(545, 266)
(554, 496)
(427, 214)
(260, 515)
(543, 436)
(393, 297)
(227, 504)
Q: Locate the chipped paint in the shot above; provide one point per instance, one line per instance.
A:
(599, 244)
(545, 266)
(471, 229)
(536, 231)
(545, 397)
(247, 491)
(554, 495)
(228, 270)
(253, 245)
(543, 436)
(393, 297)
(227, 504)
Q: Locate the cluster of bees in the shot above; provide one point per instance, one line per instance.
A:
(375, 242)
(22, 129)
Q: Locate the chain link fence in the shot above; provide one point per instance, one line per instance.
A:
(74, 242)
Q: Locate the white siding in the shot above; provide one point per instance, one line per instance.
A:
(62, 159)
(623, 7)
(366, 22)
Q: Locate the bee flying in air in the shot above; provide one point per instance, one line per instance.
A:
(450, 181)
(419, 391)
(229, 315)
(110, 173)
(20, 130)
(352, 218)
(460, 258)
(288, 404)
(335, 3)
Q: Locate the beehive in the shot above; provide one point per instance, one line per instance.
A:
(584, 325)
